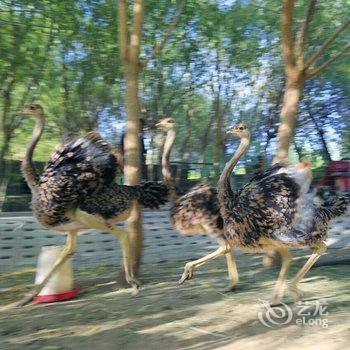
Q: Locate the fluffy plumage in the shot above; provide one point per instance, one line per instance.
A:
(79, 169)
(77, 191)
(197, 211)
(113, 200)
(274, 211)
(311, 226)
(265, 205)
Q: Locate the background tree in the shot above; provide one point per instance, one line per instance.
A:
(298, 68)
(130, 48)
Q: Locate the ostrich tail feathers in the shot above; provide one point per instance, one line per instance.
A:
(152, 194)
(335, 207)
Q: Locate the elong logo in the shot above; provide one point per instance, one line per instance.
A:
(307, 314)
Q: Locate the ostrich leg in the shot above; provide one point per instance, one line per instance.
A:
(190, 266)
(127, 262)
(286, 259)
(231, 268)
(232, 271)
(67, 252)
(319, 250)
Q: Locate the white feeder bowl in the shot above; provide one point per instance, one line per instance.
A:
(60, 286)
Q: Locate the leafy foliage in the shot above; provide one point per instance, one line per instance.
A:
(222, 62)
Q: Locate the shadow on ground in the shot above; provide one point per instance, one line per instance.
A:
(197, 315)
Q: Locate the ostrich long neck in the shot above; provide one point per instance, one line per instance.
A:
(225, 190)
(166, 172)
(28, 169)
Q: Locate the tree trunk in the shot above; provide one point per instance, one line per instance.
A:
(129, 47)
(298, 150)
(132, 154)
(130, 55)
(219, 142)
(289, 111)
(184, 151)
(3, 152)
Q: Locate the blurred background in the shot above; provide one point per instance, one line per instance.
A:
(220, 63)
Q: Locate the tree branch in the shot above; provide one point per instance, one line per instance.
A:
(123, 29)
(326, 43)
(159, 46)
(287, 35)
(302, 35)
(325, 65)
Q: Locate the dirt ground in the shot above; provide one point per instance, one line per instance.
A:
(196, 315)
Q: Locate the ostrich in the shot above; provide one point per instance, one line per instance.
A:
(77, 192)
(198, 210)
(274, 212)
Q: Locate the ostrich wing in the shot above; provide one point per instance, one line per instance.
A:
(264, 207)
(82, 166)
(200, 205)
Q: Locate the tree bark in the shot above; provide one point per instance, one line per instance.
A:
(132, 165)
(184, 151)
(130, 51)
(289, 111)
(320, 132)
(297, 71)
(219, 142)
(129, 47)
(204, 143)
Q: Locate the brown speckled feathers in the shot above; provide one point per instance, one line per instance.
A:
(113, 200)
(267, 204)
(196, 208)
(76, 169)
(273, 206)
(312, 225)
(81, 173)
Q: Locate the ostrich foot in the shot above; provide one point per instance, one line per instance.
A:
(135, 284)
(275, 301)
(297, 293)
(230, 288)
(27, 299)
(187, 274)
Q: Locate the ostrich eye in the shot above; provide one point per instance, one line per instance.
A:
(32, 107)
(241, 128)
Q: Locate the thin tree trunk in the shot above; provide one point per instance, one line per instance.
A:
(131, 61)
(133, 163)
(219, 150)
(129, 46)
(298, 150)
(3, 152)
(204, 143)
(320, 132)
(5, 122)
(184, 151)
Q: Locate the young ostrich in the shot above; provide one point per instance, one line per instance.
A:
(274, 212)
(77, 192)
(198, 210)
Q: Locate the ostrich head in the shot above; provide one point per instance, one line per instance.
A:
(240, 130)
(166, 123)
(33, 110)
